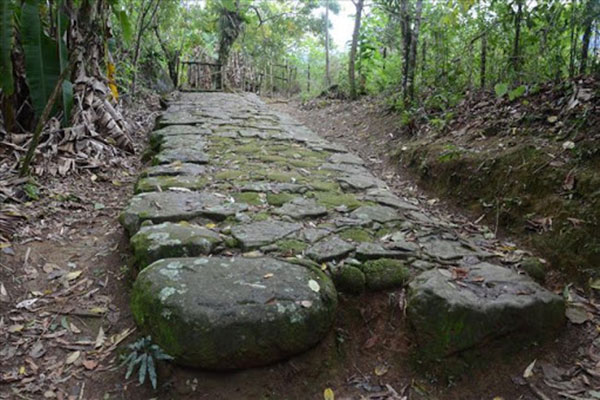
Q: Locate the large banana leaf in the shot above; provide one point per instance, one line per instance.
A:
(6, 39)
(63, 57)
(41, 56)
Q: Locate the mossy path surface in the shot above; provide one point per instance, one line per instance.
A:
(248, 225)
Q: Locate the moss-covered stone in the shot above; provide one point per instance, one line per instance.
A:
(385, 273)
(207, 312)
(356, 235)
(337, 199)
(230, 174)
(279, 199)
(534, 268)
(291, 245)
(350, 280)
(250, 198)
(324, 186)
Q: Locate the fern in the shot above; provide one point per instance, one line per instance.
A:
(143, 355)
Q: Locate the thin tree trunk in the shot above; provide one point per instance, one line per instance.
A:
(351, 64)
(406, 36)
(327, 76)
(483, 61)
(517, 43)
(573, 41)
(587, 33)
(413, 49)
(142, 26)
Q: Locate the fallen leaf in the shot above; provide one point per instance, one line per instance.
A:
(577, 314)
(267, 276)
(100, 338)
(552, 119)
(37, 350)
(71, 358)
(306, 303)
(73, 328)
(211, 225)
(27, 303)
(381, 369)
(372, 341)
(529, 370)
(314, 285)
(72, 275)
(328, 394)
(15, 328)
(90, 364)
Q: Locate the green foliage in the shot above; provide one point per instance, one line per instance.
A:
(501, 89)
(517, 92)
(6, 39)
(41, 56)
(143, 355)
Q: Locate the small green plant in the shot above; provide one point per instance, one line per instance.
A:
(143, 354)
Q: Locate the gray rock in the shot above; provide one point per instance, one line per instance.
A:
(187, 142)
(257, 234)
(175, 168)
(348, 169)
(345, 158)
(161, 183)
(273, 187)
(489, 302)
(300, 208)
(329, 248)
(174, 207)
(445, 249)
(372, 251)
(228, 313)
(168, 239)
(385, 197)
(380, 214)
(312, 235)
(179, 118)
(157, 136)
(358, 182)
(183, 155)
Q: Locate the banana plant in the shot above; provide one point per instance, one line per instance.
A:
(6, 39)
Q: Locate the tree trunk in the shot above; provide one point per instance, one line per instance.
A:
(327, 76)
(142, 25)
(573, 41)
(413, 49)
(517, 43)
(351, 64)
(483, 61)
(587, 33)
(172, 58)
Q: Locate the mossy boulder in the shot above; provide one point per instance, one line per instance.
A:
(385, 273)
(349, 279)
(169, 240)
(534, 268)
(490, 302)
(229, 313)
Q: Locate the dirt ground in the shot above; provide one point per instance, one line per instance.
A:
(65, 321)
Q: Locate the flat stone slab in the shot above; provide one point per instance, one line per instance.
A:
(301, 208)
(257, 234)
(329, 248)
(222, 313)
(380, 214)
(169, 239)
(443, 249)
(454, 310)
(372, 251)
(175, 168)
(160, 183)
(160, 207)
(169, 156)
(346, 158)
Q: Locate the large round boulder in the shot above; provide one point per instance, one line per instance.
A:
(227, 313)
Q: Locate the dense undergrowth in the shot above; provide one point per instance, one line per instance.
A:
(530, 166)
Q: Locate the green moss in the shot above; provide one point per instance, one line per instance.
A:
(279, 199)
(350, 280)
(261, 216)
(282, 177)
(231, 242)
(534, 268)
(292, 245)
(230, 174)
(385, 273)
(304, 163)
(324, 186)
(250, 198)
(356, 235)
(271, 158)
(250, 148)
(337, 199)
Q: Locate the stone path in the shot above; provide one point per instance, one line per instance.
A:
(248, 225)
